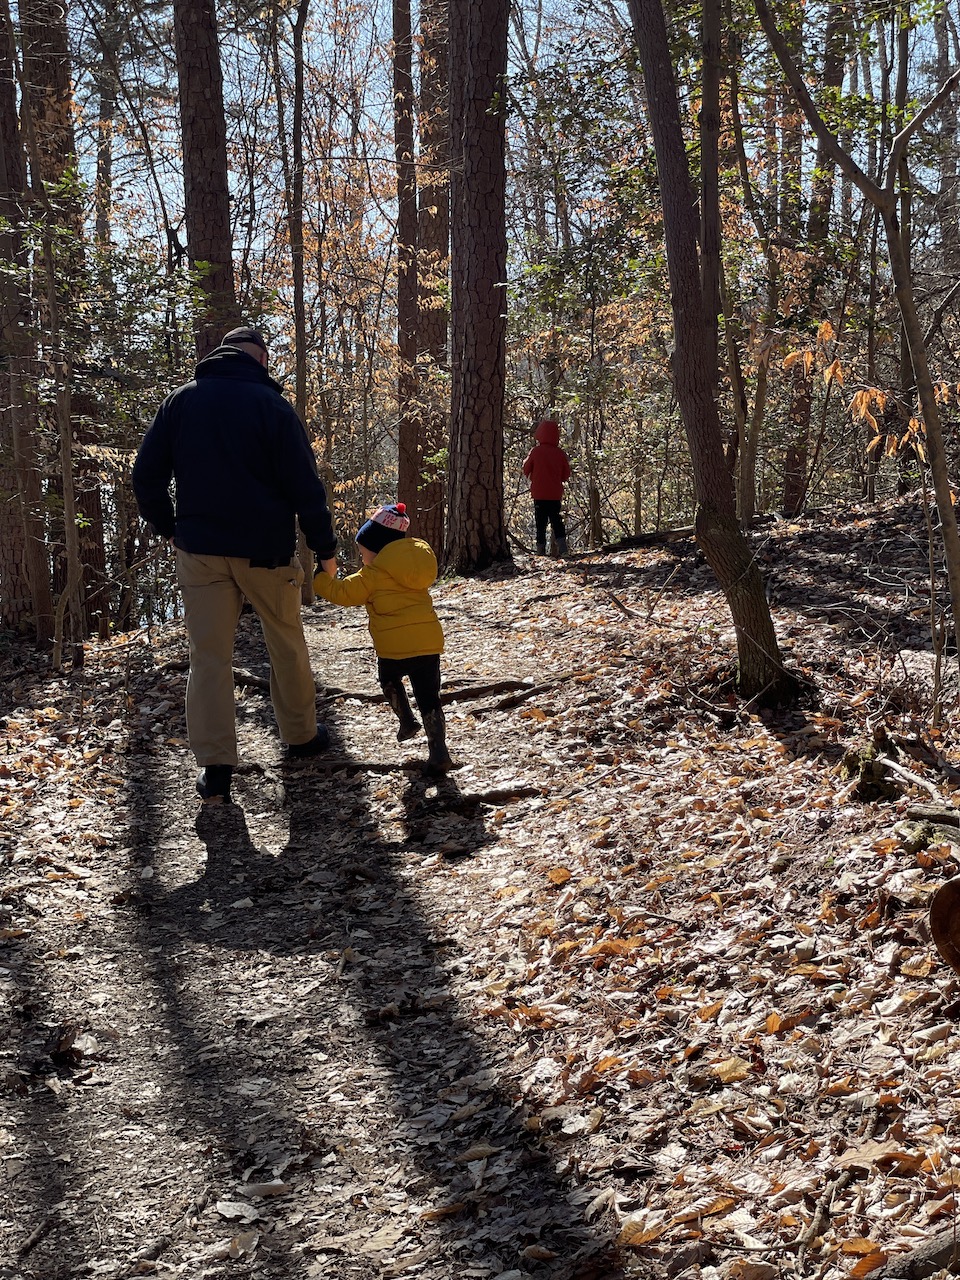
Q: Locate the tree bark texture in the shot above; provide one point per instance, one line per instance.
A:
(408, 410)
(26, 600)
(718, 532)
(205, 188)
(433, 266)
(48, 112)
(476, 529)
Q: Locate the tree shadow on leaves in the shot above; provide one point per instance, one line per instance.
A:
(342, 916)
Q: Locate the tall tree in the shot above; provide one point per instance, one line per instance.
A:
(26, 599)
(718, 533)
(433, 256)
(205, 186)
(408, 414)
(887, 199)
(48, 111)
(476, 530)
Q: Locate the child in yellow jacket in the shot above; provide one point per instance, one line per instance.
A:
(394, 585)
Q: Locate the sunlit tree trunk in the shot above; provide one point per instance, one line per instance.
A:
(718, 533)
(206, 193)
(476, 528)
(433, 261)
(408, 410)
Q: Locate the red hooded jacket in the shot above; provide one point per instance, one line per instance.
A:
(546, 464)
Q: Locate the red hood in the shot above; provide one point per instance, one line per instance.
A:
(548, 432)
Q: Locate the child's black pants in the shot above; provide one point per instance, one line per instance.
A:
(544, 510)
(423, 672)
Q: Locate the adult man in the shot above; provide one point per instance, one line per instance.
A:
(243, 470)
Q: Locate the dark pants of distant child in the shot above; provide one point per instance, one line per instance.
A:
(544, 510)
(424, 674)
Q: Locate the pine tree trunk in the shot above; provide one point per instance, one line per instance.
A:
(433, 266)
(206, 192)
(46, 63)
(26, 601)
(408, 412)
(476, 529)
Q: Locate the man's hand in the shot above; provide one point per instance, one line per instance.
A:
(329, 566)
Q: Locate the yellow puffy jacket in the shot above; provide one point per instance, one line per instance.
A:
(395, 590)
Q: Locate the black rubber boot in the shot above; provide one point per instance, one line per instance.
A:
(541, 548)
(561, 546)
(438, 761)
(213, 783)
(397, 699)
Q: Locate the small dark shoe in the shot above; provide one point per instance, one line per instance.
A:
(409, 728)
(213, 783)
(304, 750)
(439, 761)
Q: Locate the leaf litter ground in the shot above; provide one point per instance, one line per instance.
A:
(644, 988)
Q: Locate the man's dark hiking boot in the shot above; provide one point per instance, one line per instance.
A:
(561, 546)
(438, 760)
(213, 783)
(304, 750)
(541, 548)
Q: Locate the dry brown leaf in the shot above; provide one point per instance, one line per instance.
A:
(641, 1228)
(875, 1153)
(730, 1070)
(704, 1208)
(872, 1262)
(244, 1244)
(478, 1151)
(537, 1253)
(747, 1269)
(444, 1211)
(859, 1245)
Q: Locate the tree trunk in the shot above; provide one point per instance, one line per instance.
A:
(408, 413)
(710, 179)
(476, 529)
(206, 192)
(47, 109)
(948, 202)
(433, 262)
(26, 599)
(718, 533)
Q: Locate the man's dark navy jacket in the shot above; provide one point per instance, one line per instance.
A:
(242, 466)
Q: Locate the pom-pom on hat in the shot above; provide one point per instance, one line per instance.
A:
(387, 524)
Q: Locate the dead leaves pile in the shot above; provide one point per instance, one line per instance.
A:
(681, 965)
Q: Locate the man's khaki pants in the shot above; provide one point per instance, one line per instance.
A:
(213, 589)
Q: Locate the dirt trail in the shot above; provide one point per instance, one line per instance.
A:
(610, 1000)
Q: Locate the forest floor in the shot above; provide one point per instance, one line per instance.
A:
(645, 988)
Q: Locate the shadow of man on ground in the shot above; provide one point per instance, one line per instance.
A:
(376, 1083)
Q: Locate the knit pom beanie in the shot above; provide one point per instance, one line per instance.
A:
(387, 524)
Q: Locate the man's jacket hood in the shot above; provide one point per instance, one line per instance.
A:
(231, 362)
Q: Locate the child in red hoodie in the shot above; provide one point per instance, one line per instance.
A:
(548, 467)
